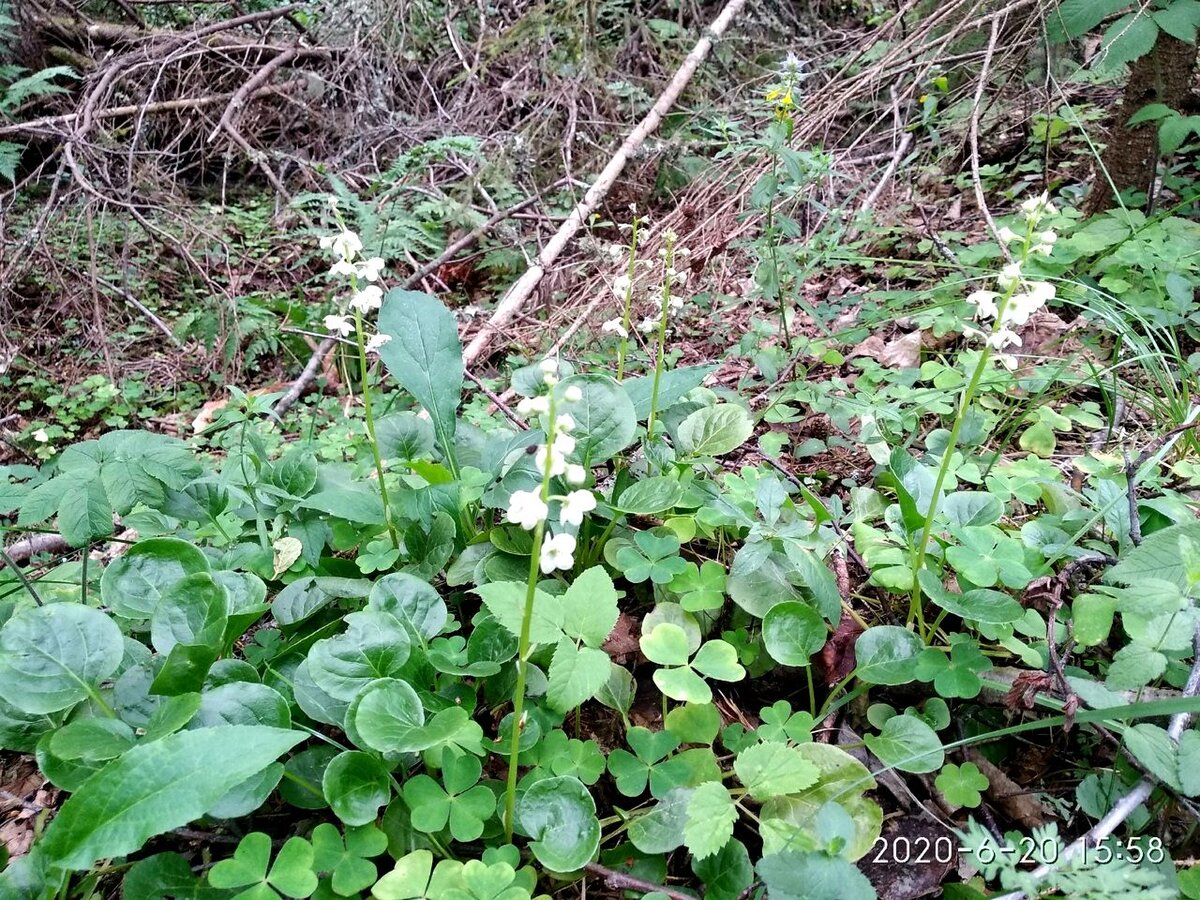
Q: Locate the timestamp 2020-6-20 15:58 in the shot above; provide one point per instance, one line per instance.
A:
(1028, 850)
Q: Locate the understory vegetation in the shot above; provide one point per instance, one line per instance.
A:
(650, 449)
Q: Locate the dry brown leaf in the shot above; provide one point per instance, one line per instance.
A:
(903, 352)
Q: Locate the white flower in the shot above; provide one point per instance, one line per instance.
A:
(1036, 207)
(343, 268)
(558, 460)
(621, 285)
(576, 474)
(525, 508)
(670, 236)
(558, 552)
(575, 506)
(376, 341)
(1009, 275)
(1007, 360)
(40, 436)
(614, 326)
(564, 443)
(572, 394)
(648, 324)
(346, 244)
(339, 324)
(674, 305)
(564, 422)
(531, 406)
(369, 269)
(368, 299)
(971, 333)
(984, 303)
(549, 366)
(1047, 237)
(615, 252)
(1007, 235)
(1001, 338)
(1024, 304)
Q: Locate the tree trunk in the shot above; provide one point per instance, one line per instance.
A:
(1161, 76)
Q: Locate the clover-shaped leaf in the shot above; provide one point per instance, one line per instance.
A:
(779, 723)
(349, 861)
(291, 874)
(956, 675)
(667, 645)
(961, 785)
(987, 555)
(655, 556)
(631, 771)
(459, 799)
(700, 587)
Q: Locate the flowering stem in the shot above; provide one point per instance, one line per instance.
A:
(915, 611)
(630, 273)
(668, 264)
(366, 393)
(539, 534)
(772, 247)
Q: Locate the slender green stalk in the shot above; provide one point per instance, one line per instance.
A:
(915, 611)
(623, 347)
(539, 534)
(366, 394)
(773, 250)
(664, 313)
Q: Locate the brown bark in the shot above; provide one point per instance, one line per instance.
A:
(1161, 76)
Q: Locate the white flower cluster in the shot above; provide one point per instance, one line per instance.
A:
(622, 284)
(529, 509)
(1019, 297)
(367, 298)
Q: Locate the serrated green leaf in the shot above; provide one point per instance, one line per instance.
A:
(772, 768)
(711, 816)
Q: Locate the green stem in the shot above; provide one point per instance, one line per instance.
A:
(773, 251)
(668, 263)
(366, 393)
(539, 534)
(623, 347)
(915, 611)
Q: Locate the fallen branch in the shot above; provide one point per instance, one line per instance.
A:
(519, 293)
(1138, 795)
(621, 881)
(115, 112)
(26, 548)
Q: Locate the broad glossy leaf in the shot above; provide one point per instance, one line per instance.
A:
(908, 744)
(425, 356)
(242, 703)
(792, 632)
(714, 430)
(414, 602)
(672, 386)
(726, 873)
(133, 584)
(51, 657)
(605, 422)
(650, 495)
(389, 717)
(156, 787)
(194, 610)
(886, 654)
(356, 786)
(559, 814)
(375, 645)
(799, 875)
(84, 513)
(310, 594)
